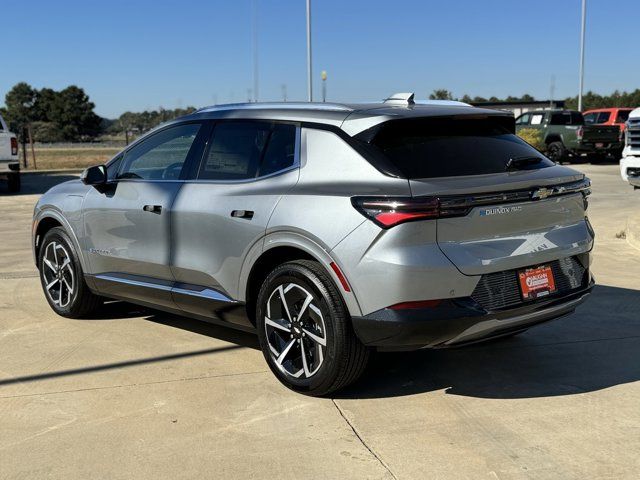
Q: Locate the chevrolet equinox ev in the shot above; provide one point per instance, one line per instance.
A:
(330, 230)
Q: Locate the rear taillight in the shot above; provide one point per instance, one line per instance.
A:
(14, 146)
(388, 212)
(580, 133)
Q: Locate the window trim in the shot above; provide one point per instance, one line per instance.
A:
(194, 174)
(193, 151)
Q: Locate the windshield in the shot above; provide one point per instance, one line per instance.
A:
(454, 146)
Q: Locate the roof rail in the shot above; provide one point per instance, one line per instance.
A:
(277, 105)
(401, 99)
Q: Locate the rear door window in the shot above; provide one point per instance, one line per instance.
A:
(451, 147)
(245, 150)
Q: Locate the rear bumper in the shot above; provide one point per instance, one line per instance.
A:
(8, 167)
(459, 321)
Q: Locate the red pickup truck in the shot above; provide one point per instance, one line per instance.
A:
(608, 116)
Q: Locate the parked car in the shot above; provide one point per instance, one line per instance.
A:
(564, 133)
(328, 229)
(608, 116)
(9, 164)
(630, 162)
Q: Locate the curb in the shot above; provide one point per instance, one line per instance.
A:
(633, 231)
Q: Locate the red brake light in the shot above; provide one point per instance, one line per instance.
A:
(14, 146)
(388, 212)
(580, 133)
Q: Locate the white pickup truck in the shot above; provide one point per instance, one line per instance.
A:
(9, 163)
(630, 162)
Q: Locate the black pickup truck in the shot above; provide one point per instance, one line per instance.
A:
(564, 133)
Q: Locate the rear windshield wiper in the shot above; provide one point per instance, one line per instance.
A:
(519, 163)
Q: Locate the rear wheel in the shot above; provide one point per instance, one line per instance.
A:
(13, 182)
(305, 331)
(62, 277)
(556, 152)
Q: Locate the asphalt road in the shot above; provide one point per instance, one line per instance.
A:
(135, 393)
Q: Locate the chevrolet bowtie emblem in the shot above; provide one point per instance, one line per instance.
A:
(541, 193)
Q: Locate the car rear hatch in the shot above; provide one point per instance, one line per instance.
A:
(501, 204)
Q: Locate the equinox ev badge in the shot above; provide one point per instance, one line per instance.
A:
(499, 210)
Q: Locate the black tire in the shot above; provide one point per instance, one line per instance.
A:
(343, 358)
(557, 152)
(13, 182)
(72, 297)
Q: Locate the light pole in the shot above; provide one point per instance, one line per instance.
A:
(309, 77)
(584, 21)
(324, 85)
(255, 50)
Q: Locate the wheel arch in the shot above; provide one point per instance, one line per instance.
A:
(280, 248)
(45, 221)
(554, 137)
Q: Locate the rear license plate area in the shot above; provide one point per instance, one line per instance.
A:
(536, 282)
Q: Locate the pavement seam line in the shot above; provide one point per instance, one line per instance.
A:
(361, 439)
(128, 385)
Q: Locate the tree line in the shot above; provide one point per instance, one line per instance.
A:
(67, 115)
(48, 116)
(590, 100)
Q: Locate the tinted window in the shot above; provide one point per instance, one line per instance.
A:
(523, 119)
(161, 156)
(235, 151)
(113, 167)
(623, 116)
(567, 118)
(603, 117)
(590, 118)
(449, 147)
(245, 150)
(280, 152)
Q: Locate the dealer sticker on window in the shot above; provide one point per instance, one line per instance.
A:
(536, 282)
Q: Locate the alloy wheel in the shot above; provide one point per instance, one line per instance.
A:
(58, 275)
(295, 331)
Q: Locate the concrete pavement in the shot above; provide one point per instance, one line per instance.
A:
(141, 394)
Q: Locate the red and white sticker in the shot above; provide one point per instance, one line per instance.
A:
(536, 282)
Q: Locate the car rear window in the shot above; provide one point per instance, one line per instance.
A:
(452, 146)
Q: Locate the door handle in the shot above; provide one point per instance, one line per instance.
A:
(248, 214)
(157, 209)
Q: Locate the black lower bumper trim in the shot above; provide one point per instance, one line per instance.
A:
(458, 321)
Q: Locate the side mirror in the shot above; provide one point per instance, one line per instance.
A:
(94, 175)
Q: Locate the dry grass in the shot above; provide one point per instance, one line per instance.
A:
(59, 158)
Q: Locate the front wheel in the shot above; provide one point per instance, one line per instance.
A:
(62, 278)
(305, 331)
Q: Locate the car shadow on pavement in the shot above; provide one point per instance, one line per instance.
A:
(36, 183)
(116, 310)
(595, 348)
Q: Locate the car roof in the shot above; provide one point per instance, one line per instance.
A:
(607, 109)
(353, 118)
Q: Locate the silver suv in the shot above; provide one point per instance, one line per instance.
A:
(330, 230)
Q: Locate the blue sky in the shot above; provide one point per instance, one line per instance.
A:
(135, 55)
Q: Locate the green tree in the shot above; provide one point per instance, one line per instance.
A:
(20, 111)
(441, 94)
(72, 111)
